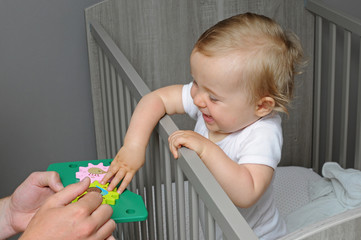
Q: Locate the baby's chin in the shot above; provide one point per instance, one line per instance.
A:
(223, 131)
(219, 132)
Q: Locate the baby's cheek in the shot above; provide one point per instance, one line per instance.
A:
(230, 124)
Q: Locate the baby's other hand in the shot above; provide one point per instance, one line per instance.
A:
(188, 139)
(123, 168)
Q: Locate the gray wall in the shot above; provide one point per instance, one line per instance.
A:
(45, 98)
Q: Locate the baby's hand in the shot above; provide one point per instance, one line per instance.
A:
(124, 166)
(188, 139)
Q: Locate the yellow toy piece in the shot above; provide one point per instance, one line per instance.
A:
(109, 197)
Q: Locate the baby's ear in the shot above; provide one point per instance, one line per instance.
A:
(264, 106)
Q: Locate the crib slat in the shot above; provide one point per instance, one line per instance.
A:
(109, 109)
(116, 109)
(125, 232)
(162, 178)
(331, 93)
(317, 95)
(158, 186)
(209, 224)
(119, 231)
(345, 98)
(109, 79)
(122, 116)
(102, 70)
(357, 159)
(141, 191)
(193, 209)
(131, 230)
(149, 193)
(138, 230)
(128, 108)
(133, 183)
(180, 203)
(168, 194)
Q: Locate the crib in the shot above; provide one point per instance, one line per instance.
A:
(136, 46)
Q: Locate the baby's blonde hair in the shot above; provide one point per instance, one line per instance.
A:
(271, 55)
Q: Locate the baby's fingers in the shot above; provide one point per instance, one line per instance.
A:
(117, 178)
(126, 180)
(111, 172)
(174, 143)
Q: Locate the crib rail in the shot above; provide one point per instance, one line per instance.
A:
(337, 84)
(171, 188)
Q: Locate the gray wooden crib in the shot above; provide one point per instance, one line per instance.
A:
(135, 46)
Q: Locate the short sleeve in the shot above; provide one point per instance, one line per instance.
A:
(263, 145)
(187, 101)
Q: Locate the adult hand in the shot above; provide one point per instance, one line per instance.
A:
(85, 219)
(29, 196)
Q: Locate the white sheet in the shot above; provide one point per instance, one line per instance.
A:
(338, 191)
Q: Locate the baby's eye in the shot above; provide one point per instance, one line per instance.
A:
(213, 99)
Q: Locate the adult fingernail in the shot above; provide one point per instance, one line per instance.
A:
(84, 179)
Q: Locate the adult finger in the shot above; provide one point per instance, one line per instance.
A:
(68, 194)
(110, 238)
(89, 202)
(105, 232)
(102, 214)
(52, 179)
(45, 179)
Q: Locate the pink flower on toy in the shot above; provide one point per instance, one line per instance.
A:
(94, 172)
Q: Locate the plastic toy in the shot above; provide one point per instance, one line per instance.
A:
(129, 207)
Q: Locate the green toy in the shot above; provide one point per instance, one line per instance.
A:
(129, 207)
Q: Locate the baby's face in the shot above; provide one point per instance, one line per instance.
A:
(218, 95)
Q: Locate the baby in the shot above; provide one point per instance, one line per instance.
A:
(243, 72)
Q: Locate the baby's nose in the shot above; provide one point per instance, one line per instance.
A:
(198, 100)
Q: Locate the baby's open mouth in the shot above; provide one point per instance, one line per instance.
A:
(207, 118)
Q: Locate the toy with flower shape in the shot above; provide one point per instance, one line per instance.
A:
(94, 172)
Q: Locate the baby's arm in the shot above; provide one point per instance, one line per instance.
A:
(131, 156)
(243, 183)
